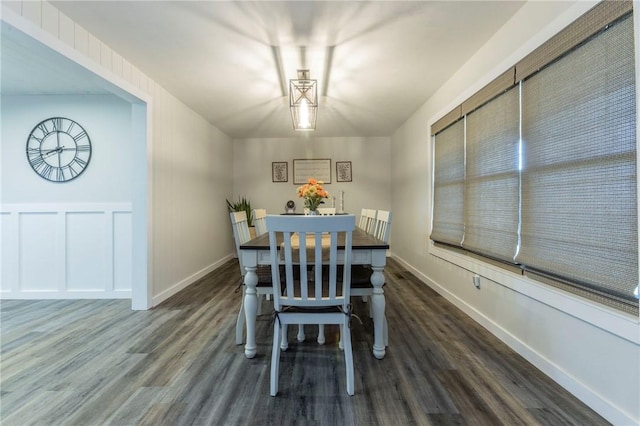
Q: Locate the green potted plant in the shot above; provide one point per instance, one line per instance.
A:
(241, 205)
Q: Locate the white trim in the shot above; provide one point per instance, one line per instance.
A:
(142, 220)
(7, 208)
(615, 322)
(38, 295)
(115, 84)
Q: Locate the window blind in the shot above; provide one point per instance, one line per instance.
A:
(579, 210)
(450, 118)
(492, 182)
(448, 185)
(589, 24)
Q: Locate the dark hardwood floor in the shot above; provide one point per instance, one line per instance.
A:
(96, 362)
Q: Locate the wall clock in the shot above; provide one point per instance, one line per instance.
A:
(58, 149)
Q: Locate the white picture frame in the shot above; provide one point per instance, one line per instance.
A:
(319, 169)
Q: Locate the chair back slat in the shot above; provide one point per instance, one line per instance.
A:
(241, 235)
(326, 211)
(367, 220)
(310, 241)
(383, 225)
(362, 223)
(259, 216)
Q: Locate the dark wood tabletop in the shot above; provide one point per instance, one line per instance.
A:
(361, 241)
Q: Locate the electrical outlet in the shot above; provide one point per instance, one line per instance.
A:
(476, 281)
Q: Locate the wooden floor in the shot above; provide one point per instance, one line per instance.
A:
(96, 362)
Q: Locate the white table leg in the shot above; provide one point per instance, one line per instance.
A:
(301, 336)
(242, 319)
(250, 309)
(378, 303)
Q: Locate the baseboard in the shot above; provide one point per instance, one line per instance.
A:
(594, 400)
(161, 297)
(61, 295)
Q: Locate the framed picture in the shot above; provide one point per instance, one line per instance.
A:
(343, 171)
(279, 171)
(318, 169)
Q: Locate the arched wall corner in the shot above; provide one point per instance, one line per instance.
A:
(107, 81)
(141, 294)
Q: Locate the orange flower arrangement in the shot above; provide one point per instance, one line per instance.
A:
(313, 193)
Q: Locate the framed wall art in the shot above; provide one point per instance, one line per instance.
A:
(279, 171)
(317, 169)
(343, 171)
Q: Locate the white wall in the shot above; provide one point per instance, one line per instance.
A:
(191, 178)
(182, 165)
(107, 120)
(371, 171)
(592, 351)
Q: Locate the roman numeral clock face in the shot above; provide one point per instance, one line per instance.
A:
(58, 149)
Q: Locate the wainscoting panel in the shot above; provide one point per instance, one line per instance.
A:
(39, 252)
(122, 253)
(87, 251)
(66, 251)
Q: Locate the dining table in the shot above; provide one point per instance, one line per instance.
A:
(366, 250)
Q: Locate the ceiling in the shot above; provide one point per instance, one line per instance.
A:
(376, 62)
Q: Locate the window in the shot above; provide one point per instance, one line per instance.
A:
(492, 180)
(448, 181)
(548, 153)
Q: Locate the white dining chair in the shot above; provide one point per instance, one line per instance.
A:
(307, 301)
(362, 222)
(367, 220)
(361, 274)
(326, 211)
(260, 225)
(382, 225)
(259, 216)
(264, 288)
(322, 211)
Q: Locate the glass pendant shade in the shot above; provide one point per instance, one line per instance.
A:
(303, 100)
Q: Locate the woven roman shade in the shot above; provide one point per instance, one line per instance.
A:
(500, 84)
(589, 24)
(492, 183)
(448, 185)
(579, 214)
(448, 119)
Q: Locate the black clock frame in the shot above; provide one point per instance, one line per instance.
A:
(55, 162)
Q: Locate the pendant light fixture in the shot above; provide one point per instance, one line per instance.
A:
(303, 100)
